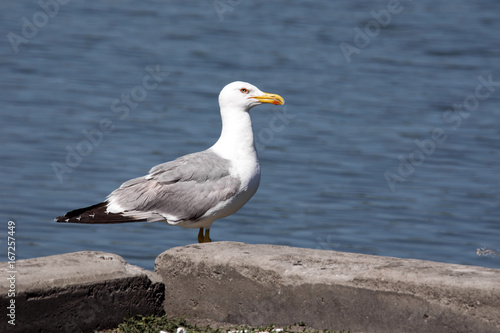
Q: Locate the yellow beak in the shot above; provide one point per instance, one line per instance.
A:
(270, 98)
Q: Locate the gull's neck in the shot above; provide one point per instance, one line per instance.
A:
(236, 141)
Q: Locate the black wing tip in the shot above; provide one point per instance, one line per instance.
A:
(95, 214)
(74, 215)
(61, 219)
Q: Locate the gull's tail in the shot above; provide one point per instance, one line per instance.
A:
(96, 214)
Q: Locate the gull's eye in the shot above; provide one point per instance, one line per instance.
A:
(244, 90)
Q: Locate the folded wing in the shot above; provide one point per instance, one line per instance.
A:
(177, 191)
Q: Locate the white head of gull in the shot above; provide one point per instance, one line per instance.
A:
(196, 189)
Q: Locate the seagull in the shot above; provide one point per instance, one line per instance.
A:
(194, 190)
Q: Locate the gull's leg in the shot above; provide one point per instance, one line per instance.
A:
(200, 236)
(207, 236)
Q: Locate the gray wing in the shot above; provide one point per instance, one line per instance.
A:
(184, 189)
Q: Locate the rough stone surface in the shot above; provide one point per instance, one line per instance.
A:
(78, 292)
(261, 284)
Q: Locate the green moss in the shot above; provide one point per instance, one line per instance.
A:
(154, 324)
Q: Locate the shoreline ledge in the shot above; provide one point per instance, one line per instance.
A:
(243, 284)
(78, 292)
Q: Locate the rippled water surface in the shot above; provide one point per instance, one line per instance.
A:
(388, 143)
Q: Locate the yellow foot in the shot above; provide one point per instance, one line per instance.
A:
(204, 238)
(207, 236)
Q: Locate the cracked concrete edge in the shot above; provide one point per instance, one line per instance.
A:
(261, 284)
(80, 291)
(240, 284)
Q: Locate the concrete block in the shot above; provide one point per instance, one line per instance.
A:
(78, 292)
(261, 284)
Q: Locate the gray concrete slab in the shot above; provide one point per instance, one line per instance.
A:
(77, 292)
(261, 284)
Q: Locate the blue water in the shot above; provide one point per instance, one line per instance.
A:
(349, 121)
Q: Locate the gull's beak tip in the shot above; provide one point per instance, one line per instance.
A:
(271, 99)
